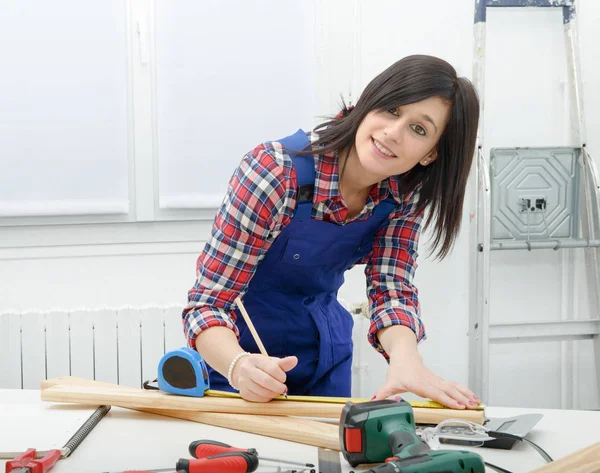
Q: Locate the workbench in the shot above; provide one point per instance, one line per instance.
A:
(127, 439)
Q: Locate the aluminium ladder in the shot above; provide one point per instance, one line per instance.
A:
(518, 217)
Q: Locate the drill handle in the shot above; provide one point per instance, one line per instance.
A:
(407, 444)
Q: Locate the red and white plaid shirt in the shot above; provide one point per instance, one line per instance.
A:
(260, 202)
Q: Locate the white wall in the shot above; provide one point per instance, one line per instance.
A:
(58, 263)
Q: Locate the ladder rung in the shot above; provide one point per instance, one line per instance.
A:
(529, 3)
(567, 5)
(543, 245)
(545, 331)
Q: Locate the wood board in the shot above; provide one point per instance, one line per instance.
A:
(586, 460)
(116, 395)
(305, 431)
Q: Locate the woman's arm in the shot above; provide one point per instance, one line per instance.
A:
(407, 373)
(256, 207)
(399, 341)
(396, 327)
(259, 378)
(390, 270)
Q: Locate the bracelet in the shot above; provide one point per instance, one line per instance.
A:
(232, 365)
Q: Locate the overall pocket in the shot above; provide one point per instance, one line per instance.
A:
(306, 253)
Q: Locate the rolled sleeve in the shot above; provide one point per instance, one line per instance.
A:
(258, 204)
(393, 297)
(197, 320)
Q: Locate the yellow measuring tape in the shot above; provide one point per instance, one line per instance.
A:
(428, 404)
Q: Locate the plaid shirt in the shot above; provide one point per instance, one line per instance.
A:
(260, 202)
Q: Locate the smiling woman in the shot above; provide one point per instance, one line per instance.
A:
(407, 132)
(423, 95)
(302, 210)
(392, 142)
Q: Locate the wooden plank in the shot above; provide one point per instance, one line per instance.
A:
(309, 432)
(155, 399)
(10, 350)
(434, 416)
(57, 344)
(115, 396)
(586, 460)
(75, 381)
(105, 346)
(33, 347)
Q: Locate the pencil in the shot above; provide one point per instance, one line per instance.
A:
(261, 347)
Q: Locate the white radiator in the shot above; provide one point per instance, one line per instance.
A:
(121, 345)
(118, 345)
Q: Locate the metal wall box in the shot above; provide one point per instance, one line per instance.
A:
(534, 193)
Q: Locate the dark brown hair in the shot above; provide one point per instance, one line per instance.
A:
(442, 184)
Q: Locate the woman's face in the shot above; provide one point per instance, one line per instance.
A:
(393, 141)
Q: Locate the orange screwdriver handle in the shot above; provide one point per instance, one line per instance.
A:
(207, 448)
(231, 462)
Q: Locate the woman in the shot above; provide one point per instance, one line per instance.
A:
(302, 210)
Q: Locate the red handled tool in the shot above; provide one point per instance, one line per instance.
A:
(27, 463)
(206, 448)
(152, 471)
(231, 462)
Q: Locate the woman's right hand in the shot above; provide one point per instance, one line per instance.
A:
(261, 378)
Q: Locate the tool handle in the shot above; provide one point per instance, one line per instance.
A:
(44, 464)
(21, 460)
(405, 444)
(149, 471)
(207, 448)
(232, 462)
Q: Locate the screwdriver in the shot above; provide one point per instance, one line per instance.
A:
(153, 470)
(231, 462)
(206, 448)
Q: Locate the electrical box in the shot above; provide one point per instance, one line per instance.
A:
(534, 193)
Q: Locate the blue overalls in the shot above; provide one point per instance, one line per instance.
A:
(292, 297)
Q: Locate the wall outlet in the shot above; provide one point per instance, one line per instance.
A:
(533, 204)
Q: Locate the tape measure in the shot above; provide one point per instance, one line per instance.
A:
(425, 403)
(183, 371)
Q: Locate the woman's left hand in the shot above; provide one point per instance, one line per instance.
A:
(411, 375)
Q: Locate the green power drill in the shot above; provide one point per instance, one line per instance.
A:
(384, 431)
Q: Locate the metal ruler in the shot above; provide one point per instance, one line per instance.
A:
(329, 461)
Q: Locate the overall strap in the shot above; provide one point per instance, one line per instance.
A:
(305, 172)
(385, 207)
(305, 176)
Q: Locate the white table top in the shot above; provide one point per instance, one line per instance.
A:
(127, 439)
